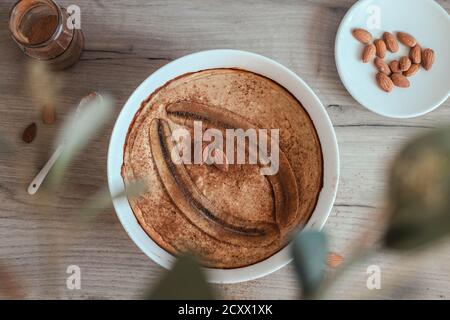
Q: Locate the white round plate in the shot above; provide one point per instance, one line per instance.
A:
(224, 59)
(428, 23)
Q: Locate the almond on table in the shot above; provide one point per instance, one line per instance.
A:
(415, 54)
(407, 39)
(428, 58)
(362, 35)
(400, 80)
(382, 66)
(29, 133)
(396, 72)
(334, 260)
(380, 46)
(394, 66)
(412, 70)
(384, 82)
(404, 63)
(368, 53)
(391, 42)
(48, 114)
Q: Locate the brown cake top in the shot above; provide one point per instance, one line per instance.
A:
(229, 215)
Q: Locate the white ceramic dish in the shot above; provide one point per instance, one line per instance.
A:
(428, 23)
(224, 59)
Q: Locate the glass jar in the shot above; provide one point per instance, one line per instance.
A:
(42, 31)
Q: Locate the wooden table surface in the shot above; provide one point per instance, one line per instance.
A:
(125, 42)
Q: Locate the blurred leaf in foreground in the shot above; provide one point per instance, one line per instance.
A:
(45, 85)
(310, 255)
(186, 281)
(9, 286)
(79, 129)
(102, 200)
(419, 193)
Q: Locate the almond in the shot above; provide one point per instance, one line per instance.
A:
(384, 82)
(29, 133)
(382, 66)
(404, 63)
(406, 39)
(390, 41)
(368, 53)
(394, 66)
(334, 260)
(48, 114)
(412, 70)
(415, 54)
(362, 35)
(400, 80)
(380, 46)
(428, 58)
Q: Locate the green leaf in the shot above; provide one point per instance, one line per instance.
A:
(79, 129)
(186, 281)
(102, 199)
(44, 84)
(310, 252)
(419, 193)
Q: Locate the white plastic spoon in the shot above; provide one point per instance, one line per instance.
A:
(40, 177)
(37, 181)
